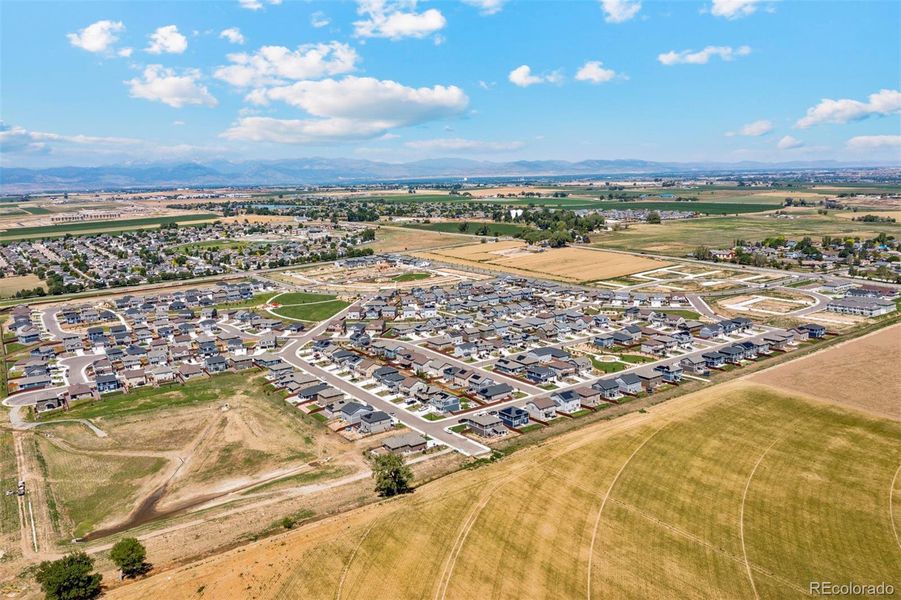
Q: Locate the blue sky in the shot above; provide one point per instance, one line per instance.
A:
(87, 83)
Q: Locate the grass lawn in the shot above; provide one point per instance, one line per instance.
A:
(312, 312)
(211, 245)
(301, 298)
(459, 428)
(433, 417)
(410, 277)
(636, 359)
(257, 300)
(198, 391)
(607, 367)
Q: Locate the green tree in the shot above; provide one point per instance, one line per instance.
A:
(653, 217)
(69, 578)
(129, 555)
(391, 475)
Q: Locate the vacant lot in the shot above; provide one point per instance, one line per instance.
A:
(398, 239)
(200, 439)
(736, 491)
(578, 265)
(10, 285)
(825, 375)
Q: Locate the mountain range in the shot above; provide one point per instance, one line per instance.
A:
(322, 171)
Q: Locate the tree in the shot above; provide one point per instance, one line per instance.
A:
(653, 217)
(69, 578)
(129, 555)
(391, 475)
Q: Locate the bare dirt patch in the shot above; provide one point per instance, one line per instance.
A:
(861, 374)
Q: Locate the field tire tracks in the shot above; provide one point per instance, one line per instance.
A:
(597, 520)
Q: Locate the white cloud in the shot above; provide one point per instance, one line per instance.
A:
(456, 145)
(257, 4)
(487, 85)
(233, 35)
(125, 52)
(754, 129)
(178, 123)
(319, 19)
(733, 9)
(882, 103)
(396, 19)
(487, 7)
(690, 57)
(874, 142)
(788, 143)
(594, 72)
(163, 85)
(21, 140)
(347, 109)
(97, 37)
(620, 11)
(522, 76)
(276, 64)
(167, 40)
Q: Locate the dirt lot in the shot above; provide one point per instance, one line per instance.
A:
(192, 444)
(579, 265)
(861, 374)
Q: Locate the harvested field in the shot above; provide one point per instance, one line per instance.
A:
(576, 265)
(825, 375)
(10, 285)
(398, 239)
(735, 491)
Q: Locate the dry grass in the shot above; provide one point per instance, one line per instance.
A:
(399, 239)
(576, 265)
(861, 374)
(729, 490)
(10, 285)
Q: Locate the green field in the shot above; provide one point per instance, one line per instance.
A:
(707, 208)
(101, 226)
(289, 298)
(117, 404)
(86, 486)
(9, 504)
(677, 238)
(34, 210)
(454, 227)
(211, 245)
(410, 277)
(316, 311)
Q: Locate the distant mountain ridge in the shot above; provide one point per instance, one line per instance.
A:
(320, 171)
